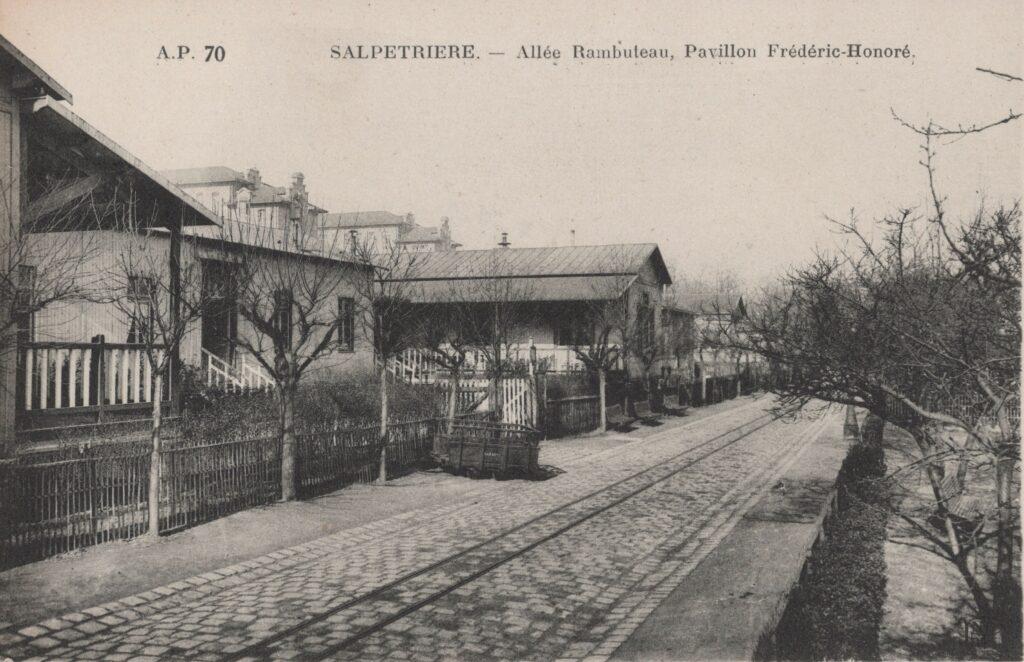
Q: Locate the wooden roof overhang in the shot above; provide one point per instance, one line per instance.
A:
(70, 159)
(28, 78)
(574, 287)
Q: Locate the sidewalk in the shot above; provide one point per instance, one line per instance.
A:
(739, 591)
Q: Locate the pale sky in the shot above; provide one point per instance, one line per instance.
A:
(725, 164)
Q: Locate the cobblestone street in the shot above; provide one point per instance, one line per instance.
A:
(562, 568)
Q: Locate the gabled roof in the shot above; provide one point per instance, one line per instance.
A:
(206, 175)
(564, 273)
(60, 124)
(29, 74)
(363, 219)
(608, 259)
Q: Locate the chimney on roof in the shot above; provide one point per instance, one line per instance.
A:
(297, 198)
(253, 175)
(504, 243)
(572, 237)
(353, 240)
(446, 230)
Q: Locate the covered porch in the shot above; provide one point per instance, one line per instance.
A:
(71, 365)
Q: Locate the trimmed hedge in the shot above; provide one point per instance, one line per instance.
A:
(836, 611)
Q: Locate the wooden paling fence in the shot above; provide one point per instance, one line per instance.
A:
(61, 504)
(59, 501)
(332, 459)
(573, 415)
(200, 483)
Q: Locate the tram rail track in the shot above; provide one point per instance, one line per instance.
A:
(263, 649)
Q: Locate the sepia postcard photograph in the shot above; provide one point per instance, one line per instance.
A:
(486, 330)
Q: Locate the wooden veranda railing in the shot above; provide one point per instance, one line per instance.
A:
(55, 376)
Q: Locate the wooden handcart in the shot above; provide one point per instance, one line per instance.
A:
(485, 448)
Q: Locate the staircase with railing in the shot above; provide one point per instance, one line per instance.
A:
(243, 375)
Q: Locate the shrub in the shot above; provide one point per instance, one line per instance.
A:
(347, 399)
(567, 385)
(836, 611)
(354, 399)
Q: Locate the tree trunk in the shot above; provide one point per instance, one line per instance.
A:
(600, 398)
(1007, 590)
(382, 474)
(988, 610)
(981, 602)
(288, 464)
(935, 476)
(850, 430)
(155, 457)
(453, 399)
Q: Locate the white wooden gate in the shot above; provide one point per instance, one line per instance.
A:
(520, 402)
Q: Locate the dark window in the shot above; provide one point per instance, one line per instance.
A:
(573, 329)
(24, 308)
(346, 324)
(645, 322)
(220, 280)
(282, 321)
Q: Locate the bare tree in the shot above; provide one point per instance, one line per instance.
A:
(444, 331)
(386, 288)
(598, 329)
(159, 309)
(917, 320)
(498, 319)
(291, 301)
(926, 341)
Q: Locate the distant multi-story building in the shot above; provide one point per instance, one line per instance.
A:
(381, 229)
(283, 214)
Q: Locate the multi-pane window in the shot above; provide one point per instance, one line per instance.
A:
(24, 310)
(282, 320)
(141, 302)
(346, 324)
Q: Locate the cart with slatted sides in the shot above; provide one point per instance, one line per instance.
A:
(482, 448)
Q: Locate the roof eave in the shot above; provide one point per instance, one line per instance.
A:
(52, 87)
(203, 215)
